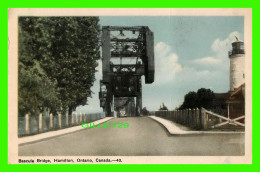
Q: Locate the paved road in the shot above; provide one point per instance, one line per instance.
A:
(144, 137)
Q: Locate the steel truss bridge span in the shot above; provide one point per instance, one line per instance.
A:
(127, 55)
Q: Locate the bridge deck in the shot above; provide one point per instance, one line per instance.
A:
(144, 137)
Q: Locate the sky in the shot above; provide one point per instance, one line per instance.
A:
(190, 53)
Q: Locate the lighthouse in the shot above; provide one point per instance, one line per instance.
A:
(237, 64)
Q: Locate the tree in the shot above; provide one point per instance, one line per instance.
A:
(205, 98)
(67, 50)
(202, 98)
(35, 90)
(163, 107)
(145, 112)
(190, 100)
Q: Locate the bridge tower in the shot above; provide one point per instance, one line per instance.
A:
(237, 64)
(127, 55)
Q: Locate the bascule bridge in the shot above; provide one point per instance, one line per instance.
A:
(127, 55)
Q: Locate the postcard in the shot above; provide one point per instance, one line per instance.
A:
(130, 86)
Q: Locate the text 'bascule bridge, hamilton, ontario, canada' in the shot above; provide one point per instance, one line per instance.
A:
(127, 55)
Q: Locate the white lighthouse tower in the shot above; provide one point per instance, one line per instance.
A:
(237, 64)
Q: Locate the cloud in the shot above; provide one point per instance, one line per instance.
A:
(166, 63)
(219, 60)
(162, 49)
(207, 61)
(221, 47)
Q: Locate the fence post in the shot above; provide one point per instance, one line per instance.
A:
(80, 117)
(171, 115)
(182, 116)
(180, 112)
(40, 122)
(51, 121)
(67, 119)
(84, 117)
(76, 117)
(59, 115)
(194, 119)
(186, 117)
(189, 118)
(27, 124)
(72, 118)
(197, 117)
(203, 119)
(177, 116)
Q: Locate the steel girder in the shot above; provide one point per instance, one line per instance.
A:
(124, 80)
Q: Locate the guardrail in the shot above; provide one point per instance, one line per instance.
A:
(29, 125)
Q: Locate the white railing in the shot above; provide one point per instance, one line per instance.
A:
(28, 125)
